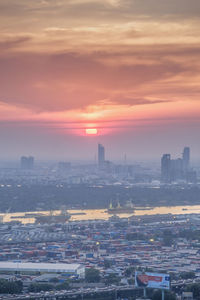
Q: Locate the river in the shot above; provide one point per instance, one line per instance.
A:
(101, 214)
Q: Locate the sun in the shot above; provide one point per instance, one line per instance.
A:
(91, 131)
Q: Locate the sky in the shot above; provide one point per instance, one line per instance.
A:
(129, 69)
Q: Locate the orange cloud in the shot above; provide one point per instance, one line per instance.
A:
(90, 60)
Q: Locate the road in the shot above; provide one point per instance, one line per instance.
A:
(54, 295)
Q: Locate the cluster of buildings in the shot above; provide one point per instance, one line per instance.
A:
(173, 170)
(111, 246)
(27, 162)
(104, 171)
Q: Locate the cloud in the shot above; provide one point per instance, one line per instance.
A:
(63, 58)
(41, 11)
(162, 7)
(138, 101)
(13, 42)
(54, 82)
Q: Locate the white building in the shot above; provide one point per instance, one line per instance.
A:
(69, 269)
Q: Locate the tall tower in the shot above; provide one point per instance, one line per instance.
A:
(186, 158)
(101, 154)
(165, 168)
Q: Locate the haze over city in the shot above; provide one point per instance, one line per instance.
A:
(127, 70)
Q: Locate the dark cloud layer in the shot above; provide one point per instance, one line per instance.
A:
(103, 9)
(162, 7)
(12, 43)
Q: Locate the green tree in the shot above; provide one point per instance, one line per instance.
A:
(10, 287)
(195, 288)
(107, 264)
(167, 238)
(135, 236)
(173, 276)
(112, 279)
(157, 295)
(129, 272)
(54, 280)
(187, 275)
(38, 287)
(150, 270)
(63, 286)
(131, 281)
(92, 275)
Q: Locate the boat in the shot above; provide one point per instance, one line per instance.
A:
(28, 216)
(78, 214)
(33, 215)
(143, 208)
(128, 209)
(63, 217)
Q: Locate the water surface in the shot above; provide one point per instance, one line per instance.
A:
(101, 214)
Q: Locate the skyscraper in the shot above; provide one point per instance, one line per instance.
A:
(101, 155)
(27, 162)
(176, 169)
(186, 158)
(165, 168)
(179, 169)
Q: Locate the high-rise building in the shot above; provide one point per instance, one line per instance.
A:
(27, 162)
(165, 168)
(176, 169)
(101, 155)
(186, 158)
(173, 170)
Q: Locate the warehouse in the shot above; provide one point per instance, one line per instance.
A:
(68, 269)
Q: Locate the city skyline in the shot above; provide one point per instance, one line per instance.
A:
(100, 155)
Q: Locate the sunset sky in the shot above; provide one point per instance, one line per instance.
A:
(130, 69)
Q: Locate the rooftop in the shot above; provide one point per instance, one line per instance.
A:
(48, 267)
